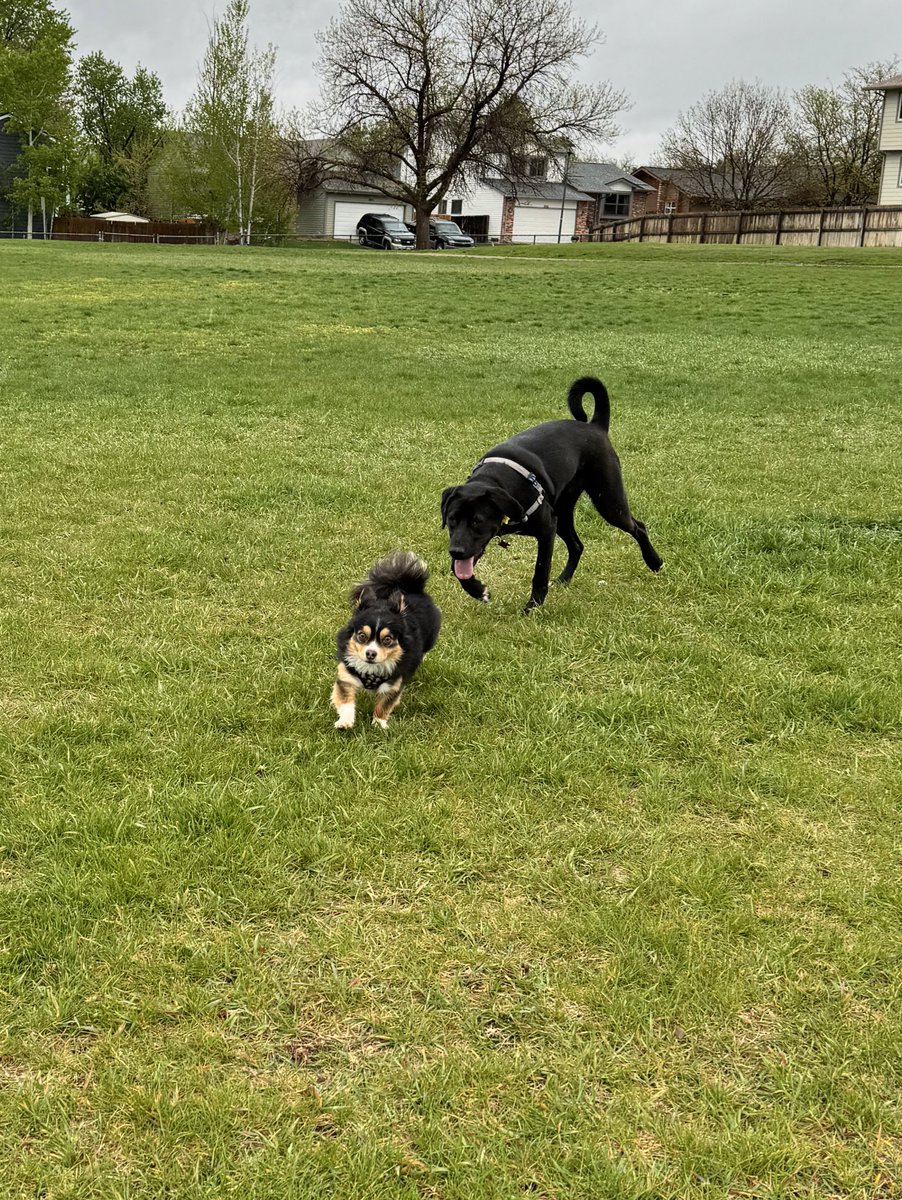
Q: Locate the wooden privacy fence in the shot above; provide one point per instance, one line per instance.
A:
(779, 227)
(161, 232)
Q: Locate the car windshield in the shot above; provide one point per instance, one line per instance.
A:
(394, 227)
(448, 227)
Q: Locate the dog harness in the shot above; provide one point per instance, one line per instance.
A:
(368, 679)
(521, 470)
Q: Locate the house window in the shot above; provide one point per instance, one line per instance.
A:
(669, 208)
(531, 168)
(457, 207)
(617, 204)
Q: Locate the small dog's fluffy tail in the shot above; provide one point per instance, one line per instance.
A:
(602, 414)
(402, 572)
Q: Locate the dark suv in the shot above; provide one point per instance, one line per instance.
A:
(385, 231)
(448, 235)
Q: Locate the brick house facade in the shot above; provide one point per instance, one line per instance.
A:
(673, 191)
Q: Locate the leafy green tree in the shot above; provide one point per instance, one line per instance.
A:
(35, 78)
(230, 131)
(123, 124)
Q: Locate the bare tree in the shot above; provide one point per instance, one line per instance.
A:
(835, 136)
(419, 95)
(733, 144)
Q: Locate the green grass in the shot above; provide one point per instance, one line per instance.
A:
(613, 909)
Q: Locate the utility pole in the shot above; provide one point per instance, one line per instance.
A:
(560, 224)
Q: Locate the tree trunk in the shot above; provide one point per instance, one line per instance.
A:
(423, 215)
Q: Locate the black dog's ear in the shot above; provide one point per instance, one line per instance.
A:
(397, 602)
(509, 505)
(446, 500)
(360, 593)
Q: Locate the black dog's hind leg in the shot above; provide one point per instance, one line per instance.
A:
(615, 509)
(566, 531)
(545, 541)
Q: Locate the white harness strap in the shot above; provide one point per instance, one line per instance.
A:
(521, 470)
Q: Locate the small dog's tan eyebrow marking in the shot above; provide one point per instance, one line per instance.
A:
(365, 632)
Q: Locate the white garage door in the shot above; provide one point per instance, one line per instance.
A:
(534, 222)
(347, 215)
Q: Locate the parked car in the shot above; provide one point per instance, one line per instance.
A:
(445, 234)
(385, 231)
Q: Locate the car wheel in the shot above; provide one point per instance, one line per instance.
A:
(361, 237)
(386, 244)
(439, 245)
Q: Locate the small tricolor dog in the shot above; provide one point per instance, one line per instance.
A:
(393, 625)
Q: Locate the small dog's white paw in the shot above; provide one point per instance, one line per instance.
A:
(344, 723)
(382, 722)
(486, 596)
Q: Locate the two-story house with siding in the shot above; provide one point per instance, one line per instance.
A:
(10, 149)
(890, 143)
(544, 205)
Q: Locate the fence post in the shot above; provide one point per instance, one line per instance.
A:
(779, 229)
(820, 228)
(670, 227)
(864, 226)
(642, 229)
(704, 229)
(739, 227)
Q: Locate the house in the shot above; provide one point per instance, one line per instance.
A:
(890, 144)
(333, 209)
(541, 206)
(675, 190)
(10, 149)
(544, 206)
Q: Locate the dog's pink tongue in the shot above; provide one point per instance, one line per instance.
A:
(463, 568)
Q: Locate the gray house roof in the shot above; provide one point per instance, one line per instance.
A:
(598, 176)
(687, 182)
(537, 189)
(885, 85)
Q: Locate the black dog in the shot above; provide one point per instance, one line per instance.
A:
(530, 485)
(394, 625)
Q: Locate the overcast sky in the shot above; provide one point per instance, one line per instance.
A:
(665, 53)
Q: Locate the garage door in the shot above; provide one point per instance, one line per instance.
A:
(534, 222)
(347, 215)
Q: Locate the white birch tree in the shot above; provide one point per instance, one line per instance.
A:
(230, 128)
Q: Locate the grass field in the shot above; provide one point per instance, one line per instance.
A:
(612, 911)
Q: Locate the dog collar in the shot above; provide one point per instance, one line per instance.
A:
(521, 470)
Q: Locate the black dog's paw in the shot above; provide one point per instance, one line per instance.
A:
(486, 597)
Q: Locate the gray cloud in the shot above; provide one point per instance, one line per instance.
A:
(665, 54)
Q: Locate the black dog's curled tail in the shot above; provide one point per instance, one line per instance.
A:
(402, 571)
(588, 383)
